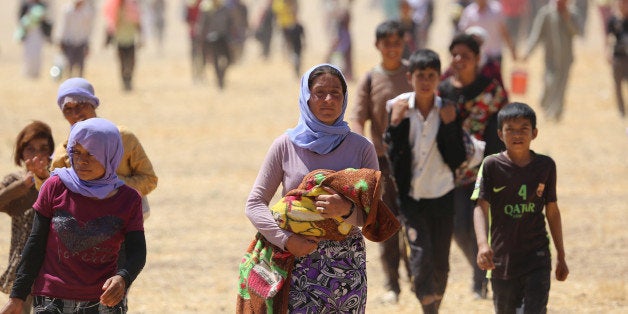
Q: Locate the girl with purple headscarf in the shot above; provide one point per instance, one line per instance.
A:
(83, 214)
(328, 276)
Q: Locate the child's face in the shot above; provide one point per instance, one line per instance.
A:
(517, 134)
(86, 166)
(37, 147)
(391, 48)
(424, 82)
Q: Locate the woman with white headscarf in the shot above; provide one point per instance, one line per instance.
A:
(83, 214)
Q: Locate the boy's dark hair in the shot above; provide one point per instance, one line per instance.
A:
(424, 59)
(467, 40)
(387, 28)
(516, 110)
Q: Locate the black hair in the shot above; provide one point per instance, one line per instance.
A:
(424, 59)
(516, 110)
(387, 28)
(467, 40)
(327, 69)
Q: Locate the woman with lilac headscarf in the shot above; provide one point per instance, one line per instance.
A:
(82, 215)
(328, 276)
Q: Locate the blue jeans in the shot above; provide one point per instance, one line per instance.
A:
(530, 291)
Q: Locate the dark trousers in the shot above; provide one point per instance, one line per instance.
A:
(218, 51)
(530, 291)
(429, 226)
(464, 232)
(75, 56)
(620, 75)
(126, 54)
(198, 60)
(393, 250)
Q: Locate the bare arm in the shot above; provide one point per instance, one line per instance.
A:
(480, 223)
(509, 42)
(357, 126)
(555, 225)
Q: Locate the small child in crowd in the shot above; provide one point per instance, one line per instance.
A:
(512, 189)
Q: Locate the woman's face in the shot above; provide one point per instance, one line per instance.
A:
(464, 60)
(326, 98)
(78, 111)
(86, 166)
(37, 147)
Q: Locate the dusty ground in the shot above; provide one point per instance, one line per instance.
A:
(207, 145)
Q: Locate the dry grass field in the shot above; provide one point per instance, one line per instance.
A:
(206, 146)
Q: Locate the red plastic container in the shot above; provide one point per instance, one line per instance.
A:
(519, 81)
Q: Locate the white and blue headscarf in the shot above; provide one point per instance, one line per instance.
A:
(100, 138)
(312, 134)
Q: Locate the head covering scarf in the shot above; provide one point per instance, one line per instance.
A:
(312, 134)
(76, 89)
(100, 138)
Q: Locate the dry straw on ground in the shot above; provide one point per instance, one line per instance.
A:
(207, 145)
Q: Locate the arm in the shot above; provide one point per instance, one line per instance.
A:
(334, 204)
(60, 159)
(135, 169)
(115, 287)
(450, 138)
(257, 211)
(535, 34)
(555, 225)
(398, 111)
(500, 98)
(12, 188)
(400, 155)
(32, 257)
(608, 42)
(361, 111)
(506, 36)
(573, 21)
(480, 224)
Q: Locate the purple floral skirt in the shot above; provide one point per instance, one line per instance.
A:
(332, 279)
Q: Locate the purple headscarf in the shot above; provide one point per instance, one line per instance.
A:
(76, 89)
(310, 133)
(100, 138)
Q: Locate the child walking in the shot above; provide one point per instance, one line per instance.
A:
(385, 81)
(82, 215)
(512, 189)
(425, 147)
(18, 193)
